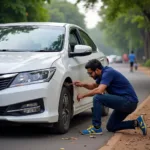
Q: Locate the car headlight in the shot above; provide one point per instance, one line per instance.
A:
(39, 76)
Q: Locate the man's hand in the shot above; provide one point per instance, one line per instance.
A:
(79, 97)
(78, 83)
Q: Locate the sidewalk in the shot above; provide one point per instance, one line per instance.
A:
(133, 139)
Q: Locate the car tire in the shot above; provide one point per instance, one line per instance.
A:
(105, 110)
(64, 110)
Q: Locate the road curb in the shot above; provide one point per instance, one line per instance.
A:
(117, 136)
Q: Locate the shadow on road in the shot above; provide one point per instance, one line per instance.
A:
(34, 130)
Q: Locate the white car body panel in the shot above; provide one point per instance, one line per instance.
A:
(74, 68)
(22, 61)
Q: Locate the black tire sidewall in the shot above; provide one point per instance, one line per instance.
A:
(59, 125)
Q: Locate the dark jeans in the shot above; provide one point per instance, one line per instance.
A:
(131, 64)
(122, 108)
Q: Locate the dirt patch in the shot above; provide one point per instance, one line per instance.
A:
(134, 140)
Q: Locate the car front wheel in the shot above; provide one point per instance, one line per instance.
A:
(64, 110)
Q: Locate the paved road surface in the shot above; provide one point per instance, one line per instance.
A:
(39, 138)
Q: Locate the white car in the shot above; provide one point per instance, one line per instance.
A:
(111, 58)
(118, 59)
(38, 63)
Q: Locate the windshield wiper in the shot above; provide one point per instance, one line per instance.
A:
(42, 50)
(8, 50)
(11, 50)
(4, 50)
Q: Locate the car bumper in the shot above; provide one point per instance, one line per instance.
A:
(29, 93)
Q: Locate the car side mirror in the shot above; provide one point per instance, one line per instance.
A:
(81, 50)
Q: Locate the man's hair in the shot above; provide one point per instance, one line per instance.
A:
(132, 52)
(93, 64)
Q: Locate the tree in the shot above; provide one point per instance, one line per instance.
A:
(63, 11)
(98, 37)
(23, 11)
(137, 12)
(122, 34)
(56, 15)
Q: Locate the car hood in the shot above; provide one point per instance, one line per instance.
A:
(11, 62)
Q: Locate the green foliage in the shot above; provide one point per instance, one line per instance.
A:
(56, 16)
(98, 37)
(23, 10)
(88, 3)
(116, 7)
(147, 64)
(63, 11)
(122, 34)
(11, 30)
(126, 23)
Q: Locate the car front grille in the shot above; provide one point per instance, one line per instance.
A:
(3, 110)
(5, 82)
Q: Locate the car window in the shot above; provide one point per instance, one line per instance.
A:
(87, 40)
(73, 40)
(32, 38)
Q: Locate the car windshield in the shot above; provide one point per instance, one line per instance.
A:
(31, 38)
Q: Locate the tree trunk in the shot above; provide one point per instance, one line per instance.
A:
(142, 32)
(147, 44)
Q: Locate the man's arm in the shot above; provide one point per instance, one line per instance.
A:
(99, 90)
(89, 86)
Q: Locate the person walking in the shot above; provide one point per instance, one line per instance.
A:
(132, 60)
(121, 97)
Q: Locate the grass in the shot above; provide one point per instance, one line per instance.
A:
(147, 64)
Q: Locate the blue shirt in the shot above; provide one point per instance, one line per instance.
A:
(132, 57)
(117, 84)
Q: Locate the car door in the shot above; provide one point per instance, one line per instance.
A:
(84, 77)
(77, 64)
(74, 63)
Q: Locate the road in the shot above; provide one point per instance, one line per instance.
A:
(43, 138)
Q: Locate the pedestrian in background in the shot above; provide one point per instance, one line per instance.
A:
(132, 60)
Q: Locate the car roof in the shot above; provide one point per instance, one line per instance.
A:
(56, 24)
(33, 23)
(38, 24)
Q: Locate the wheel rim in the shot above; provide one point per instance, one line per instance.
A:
(65, 110)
